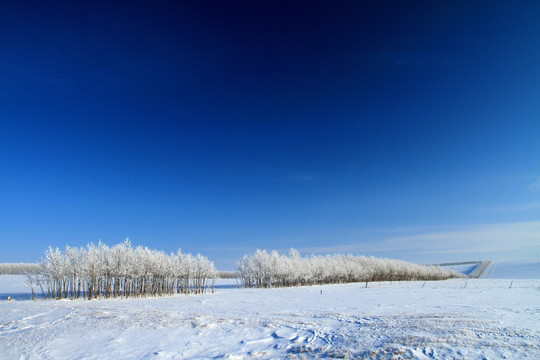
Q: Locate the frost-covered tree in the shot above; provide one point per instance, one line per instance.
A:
(100, 271)
(274, 270)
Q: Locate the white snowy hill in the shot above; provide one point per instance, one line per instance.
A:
(512, 270)
(517, 269)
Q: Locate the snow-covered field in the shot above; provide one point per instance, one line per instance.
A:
(463, 319)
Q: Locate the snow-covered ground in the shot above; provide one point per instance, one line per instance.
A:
(469, 319)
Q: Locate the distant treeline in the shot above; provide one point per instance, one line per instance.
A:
(264, 269)
(226, 274)
(120, 271)
(18, 268)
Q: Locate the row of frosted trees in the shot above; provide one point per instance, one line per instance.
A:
(18, 268)
(121, 271)
(264, 269)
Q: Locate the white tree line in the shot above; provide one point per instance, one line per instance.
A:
(263, 269)
(120, 271)
(18, 268)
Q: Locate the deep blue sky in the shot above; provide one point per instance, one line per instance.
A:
(401, 129)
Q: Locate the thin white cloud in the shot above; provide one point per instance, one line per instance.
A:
(405, 229)
(514, 208)
(534, 186)
(298, 178)
(506, 237)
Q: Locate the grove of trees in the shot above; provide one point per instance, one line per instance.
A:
(120, 271)
(264, 269)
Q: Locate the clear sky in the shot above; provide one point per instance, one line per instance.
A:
(401, 129)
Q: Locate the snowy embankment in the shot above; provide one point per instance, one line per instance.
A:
(517, 269)
(465, 268)
(512, 270)
(460, 318)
